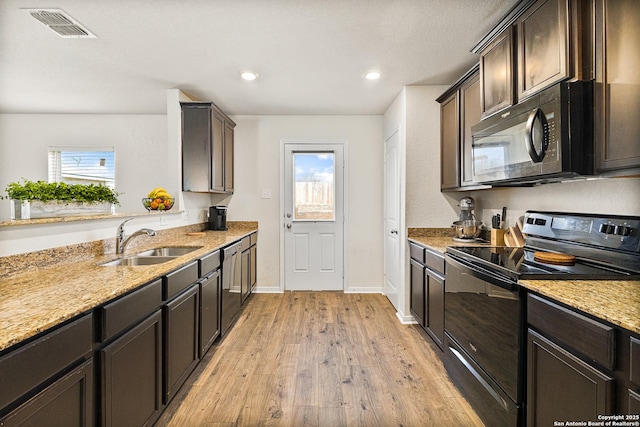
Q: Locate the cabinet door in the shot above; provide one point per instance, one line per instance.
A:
(209, 311)
(449, 143)
(245, 284)
(434, 312)
(617, 87)
(496, 64)
(196, 148)
(253, 267)
(228, 157)
(470, 115)
(543, 46)
(560, 386)
(67, 402)
(181, 339)
(417, 283)
(131, 376)
(217, 149)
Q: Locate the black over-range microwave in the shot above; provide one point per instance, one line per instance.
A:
(548, 137)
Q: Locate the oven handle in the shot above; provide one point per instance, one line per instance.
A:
(481, 273)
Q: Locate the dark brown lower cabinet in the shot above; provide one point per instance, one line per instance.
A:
(131, 371)
(561, 386)
(417, 284)
(434, 308)
(245, 282)
(181, 339)
(254, 267)
(209, 311)
(68, 402)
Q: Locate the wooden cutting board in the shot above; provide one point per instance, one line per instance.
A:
(553, 258)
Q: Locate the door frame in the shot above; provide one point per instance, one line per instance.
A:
(345, 194)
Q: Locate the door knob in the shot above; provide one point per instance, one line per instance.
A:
(288, 215)
(394, 231)
(289, 226)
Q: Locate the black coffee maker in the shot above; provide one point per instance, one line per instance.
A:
(217, 218)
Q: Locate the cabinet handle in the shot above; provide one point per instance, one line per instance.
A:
(394, 231)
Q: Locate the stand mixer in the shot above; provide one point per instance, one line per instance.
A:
(467, 229)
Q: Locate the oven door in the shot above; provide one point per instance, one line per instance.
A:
(483, 315)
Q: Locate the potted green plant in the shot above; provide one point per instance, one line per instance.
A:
(39, 199)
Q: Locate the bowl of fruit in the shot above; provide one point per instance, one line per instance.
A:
(158, 200)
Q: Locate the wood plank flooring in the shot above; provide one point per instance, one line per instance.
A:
(320, 359)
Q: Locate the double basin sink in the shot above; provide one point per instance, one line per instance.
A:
(152, 256)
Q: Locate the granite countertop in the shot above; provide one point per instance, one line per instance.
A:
(615, 301)
(36, 300)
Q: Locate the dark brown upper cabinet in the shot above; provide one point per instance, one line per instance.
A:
(617, 86)
(496, 74)
(207, 148)
(459, 110)
(543, 46)
(536, 44)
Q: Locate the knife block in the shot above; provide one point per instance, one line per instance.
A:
(497, 237)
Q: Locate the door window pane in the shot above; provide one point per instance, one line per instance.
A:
(313, 190)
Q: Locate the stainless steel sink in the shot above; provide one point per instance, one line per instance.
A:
(138, 260)
(169, 251)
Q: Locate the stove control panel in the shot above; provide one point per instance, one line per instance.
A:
(614, 232)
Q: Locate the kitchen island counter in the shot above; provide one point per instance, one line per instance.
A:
(39, 299)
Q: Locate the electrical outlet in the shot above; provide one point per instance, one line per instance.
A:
(266, 193)
(164, 220)
(185, 216)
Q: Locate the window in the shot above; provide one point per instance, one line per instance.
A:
(313, 192)
(82, 165)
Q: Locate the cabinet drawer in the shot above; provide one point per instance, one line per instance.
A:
(592, 339)
(634, 374)
(210, 262)
(417, 252)
(124, 312)
(180, 279)
(27, 367)
(435, 261)
(254, 239)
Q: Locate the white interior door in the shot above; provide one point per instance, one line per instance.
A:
(392, 219)
(313, 223)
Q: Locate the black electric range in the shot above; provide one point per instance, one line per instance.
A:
(484, 308)
(605, 247)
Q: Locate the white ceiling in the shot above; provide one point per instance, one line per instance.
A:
(311, 54)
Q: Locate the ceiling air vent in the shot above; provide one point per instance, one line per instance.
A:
(61, 23)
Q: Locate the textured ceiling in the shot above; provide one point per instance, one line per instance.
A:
(311, 54)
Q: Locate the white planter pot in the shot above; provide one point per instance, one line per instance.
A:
(54, 209)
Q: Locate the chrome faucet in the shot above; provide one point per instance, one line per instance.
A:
(122, 242)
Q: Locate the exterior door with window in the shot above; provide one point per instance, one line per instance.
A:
(313, 223)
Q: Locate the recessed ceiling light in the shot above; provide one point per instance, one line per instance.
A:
(248, 75)
(372, 75)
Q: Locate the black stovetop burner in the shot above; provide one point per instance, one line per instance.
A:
(519, 263)
(605, 248)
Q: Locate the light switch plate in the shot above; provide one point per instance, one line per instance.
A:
(266, 193)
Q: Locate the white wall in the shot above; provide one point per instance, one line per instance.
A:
(144, 159)
(139, 141)
(614, 196)
(417, 116)
(257, 167)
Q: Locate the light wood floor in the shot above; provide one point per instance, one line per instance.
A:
(320, 359)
